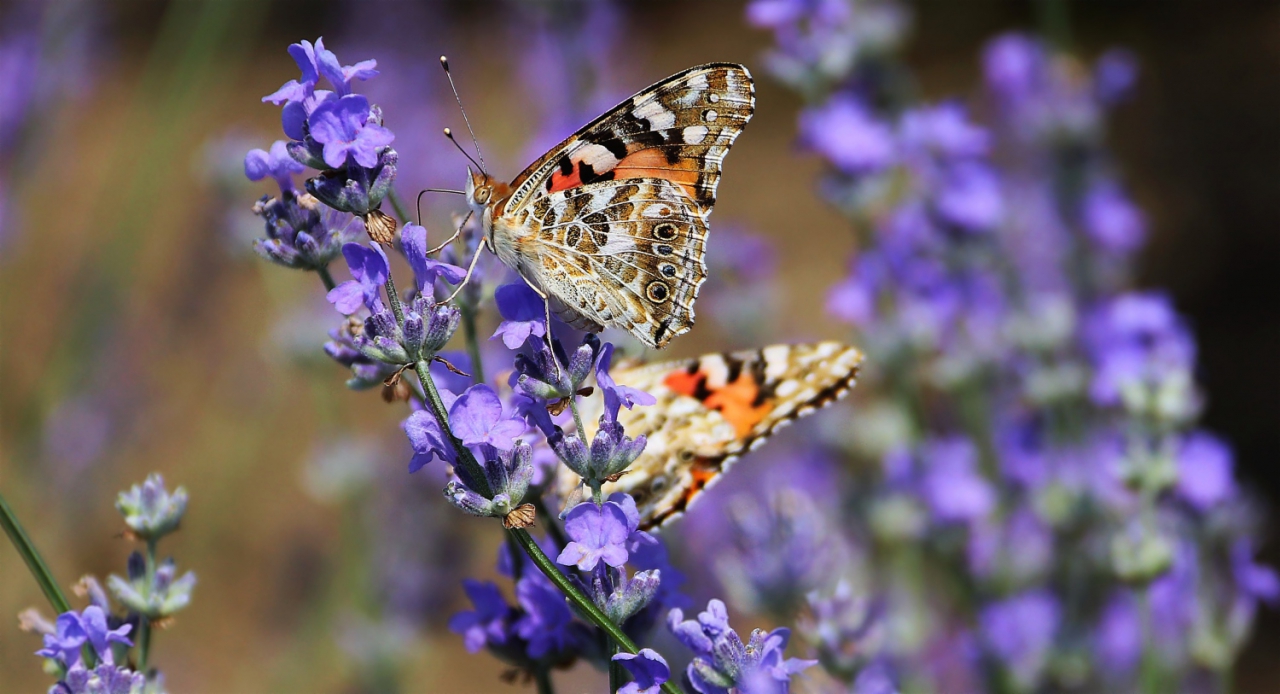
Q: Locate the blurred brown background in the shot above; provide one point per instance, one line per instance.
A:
(139, 335)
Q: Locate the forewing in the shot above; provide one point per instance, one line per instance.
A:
(626, 253)
(712, 409)
(678, 130)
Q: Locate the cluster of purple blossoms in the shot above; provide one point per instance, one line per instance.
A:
(91, 648)
(1034, 487)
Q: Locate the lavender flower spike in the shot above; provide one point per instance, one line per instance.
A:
(723, 663)
(149, 510)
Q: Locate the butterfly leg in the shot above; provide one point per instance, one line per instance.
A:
(456, 234)
(470, 270)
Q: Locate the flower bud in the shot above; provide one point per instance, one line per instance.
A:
(149, 510)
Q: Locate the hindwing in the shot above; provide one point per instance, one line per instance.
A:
(712, 409)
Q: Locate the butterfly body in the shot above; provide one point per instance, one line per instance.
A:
(611, 224)
(713, 409)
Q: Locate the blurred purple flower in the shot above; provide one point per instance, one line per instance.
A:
(427, 440)
(547, 623)
(944, 129)
(648, 671)
(1253, 580)
(1118, 635)
(1020, 631)
(1114, 75)
(970, 197)
(952, 484)
(1204, 471)
(1012, 64)
(106, 678)
(845, 132)
(343, 127)
(1112, 221)
(74, 629)
(490, 621)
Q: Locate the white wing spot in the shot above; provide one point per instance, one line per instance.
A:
(710, 115)
(658, 116)
(598, 157)
(695, 134)
(713, 97)
(716, 370)
(776, 361)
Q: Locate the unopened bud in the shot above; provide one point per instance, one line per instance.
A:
(381, 228)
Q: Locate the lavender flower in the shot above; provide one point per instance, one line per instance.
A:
(103, 679)
(722, 662)
(73, 630)
(522, 315)
(648, 671)
(1020, 631)
(158, 595)
(490, 623)
(149, 510)
(602, 533)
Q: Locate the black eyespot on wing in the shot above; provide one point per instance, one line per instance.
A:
(665, 232)
(668, 270)
(663, 249)
(657, 291)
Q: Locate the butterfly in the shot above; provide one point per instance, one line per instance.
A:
(710, 411)
(610, 226)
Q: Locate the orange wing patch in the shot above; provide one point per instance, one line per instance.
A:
(736, 401)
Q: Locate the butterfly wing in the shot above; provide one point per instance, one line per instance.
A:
(612, 222)
(622, 253)
(712, 409)
(677, 130)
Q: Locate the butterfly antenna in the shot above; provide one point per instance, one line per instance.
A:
(449, 134)
(444, 63)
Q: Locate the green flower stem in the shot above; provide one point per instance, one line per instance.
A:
(326, 278)
(465, 459)
(473, 343)
(398, 205)
(144, 622)
(40, 570)
(582, 602)
(543, 677)
(617, 677)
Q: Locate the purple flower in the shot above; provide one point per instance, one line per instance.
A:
(73, 630)
(106, 678)
(952, 485)
(277, 164)
(1112, 221)
(547, 623)
(648, 671)
(970, 197)
(413, 241)
(1118, 635)
(597, 533)
(476, 418)
(1204, 471)
(427, 440)
(1013, 63)
(343, 127)
(1020, 631)
(722, 662)
(339, 75)
(616, 396)
(304, 54)
(369, 268)
(1253, 580)
(1114, 75)
(944, 129)
(845, 132)
(522, 312)
(489, 622)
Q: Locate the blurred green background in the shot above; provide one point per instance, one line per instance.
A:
(138, 332)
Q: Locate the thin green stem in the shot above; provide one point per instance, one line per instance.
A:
(543, 677)
(326, 278)
(398, 205)
(617, 676)
(35, 563)
(144, 623)
(582, 602)
(473, 342)
(39, 570)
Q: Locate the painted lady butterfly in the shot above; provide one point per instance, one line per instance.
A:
(710, 411)
(610, 225)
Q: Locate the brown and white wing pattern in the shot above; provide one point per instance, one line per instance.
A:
(712, 409)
